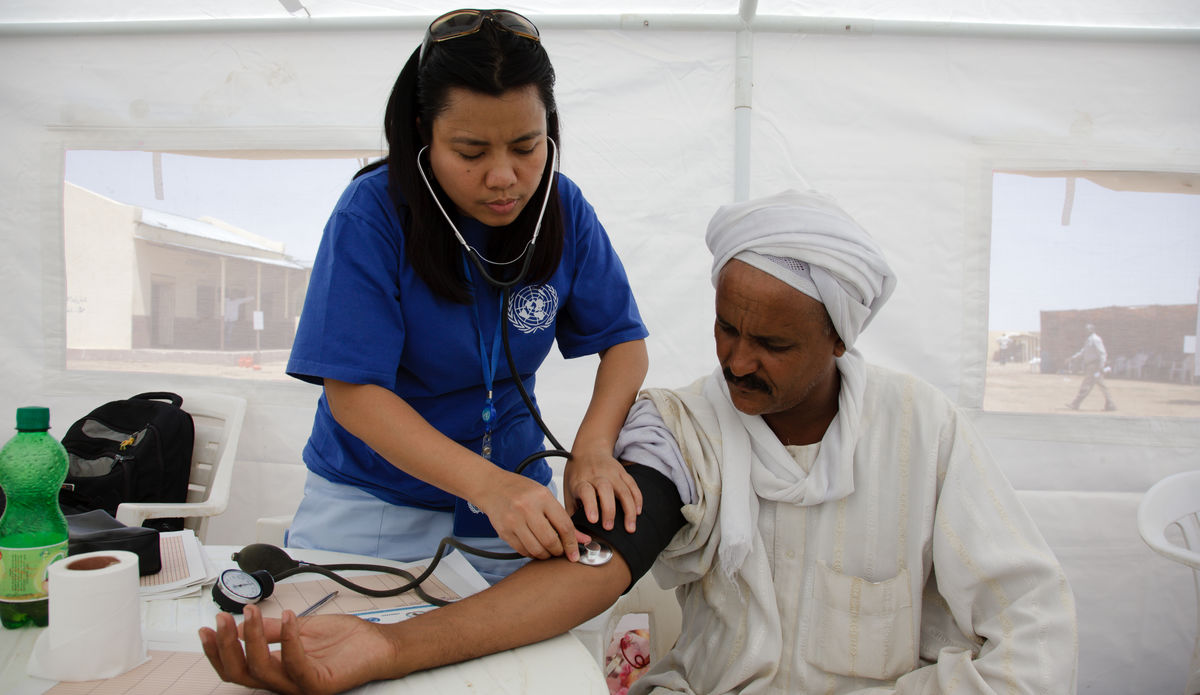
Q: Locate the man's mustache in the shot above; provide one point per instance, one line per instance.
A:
(748, 382)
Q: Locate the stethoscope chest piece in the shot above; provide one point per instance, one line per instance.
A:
(594, 553)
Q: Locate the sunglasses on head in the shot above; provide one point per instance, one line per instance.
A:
(453, 25)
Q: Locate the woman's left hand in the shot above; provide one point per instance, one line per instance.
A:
(596, 481)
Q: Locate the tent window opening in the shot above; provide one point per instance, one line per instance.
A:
(205, 256)
(1094, 288)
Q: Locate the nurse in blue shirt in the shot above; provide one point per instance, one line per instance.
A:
(420, 424)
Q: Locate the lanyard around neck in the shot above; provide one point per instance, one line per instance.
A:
(488, 366)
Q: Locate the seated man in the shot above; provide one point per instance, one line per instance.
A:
(843, 527)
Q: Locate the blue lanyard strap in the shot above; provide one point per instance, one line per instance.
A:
(488, 365)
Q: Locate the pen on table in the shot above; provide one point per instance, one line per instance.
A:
(321, 602)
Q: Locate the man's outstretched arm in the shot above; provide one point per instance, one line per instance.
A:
(333, 653)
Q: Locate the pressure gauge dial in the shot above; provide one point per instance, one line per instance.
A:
(235, 589)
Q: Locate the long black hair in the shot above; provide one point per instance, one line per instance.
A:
(490, 61)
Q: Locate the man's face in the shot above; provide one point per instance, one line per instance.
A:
(774, 343)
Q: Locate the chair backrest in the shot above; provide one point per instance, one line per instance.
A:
(218, 421)
(1174, 500)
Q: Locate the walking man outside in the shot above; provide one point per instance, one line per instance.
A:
(1094, 359)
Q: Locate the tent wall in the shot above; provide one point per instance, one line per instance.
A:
(904, 130)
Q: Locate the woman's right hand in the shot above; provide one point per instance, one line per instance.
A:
(524, 512)
(528, 517)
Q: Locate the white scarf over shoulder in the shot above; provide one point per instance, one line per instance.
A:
(804, 239)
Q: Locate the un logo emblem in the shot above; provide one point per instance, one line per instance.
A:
(533, 308)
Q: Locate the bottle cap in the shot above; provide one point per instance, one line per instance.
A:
(33, 419)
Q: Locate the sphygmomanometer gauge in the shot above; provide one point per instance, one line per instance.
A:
(235, 589)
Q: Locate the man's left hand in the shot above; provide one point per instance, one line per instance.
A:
(320, 654)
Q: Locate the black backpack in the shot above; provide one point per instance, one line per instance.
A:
(134, 450)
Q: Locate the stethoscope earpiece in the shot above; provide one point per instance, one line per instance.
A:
(477, 258)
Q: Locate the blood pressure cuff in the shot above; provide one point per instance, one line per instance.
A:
(661, 517)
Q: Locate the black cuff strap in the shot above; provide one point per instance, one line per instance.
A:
(661, 517)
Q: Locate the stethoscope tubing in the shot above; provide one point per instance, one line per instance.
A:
(526, 256)
(414, 583)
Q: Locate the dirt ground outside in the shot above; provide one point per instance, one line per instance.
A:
(1017, 388)
(1011, 387)
(245, 367)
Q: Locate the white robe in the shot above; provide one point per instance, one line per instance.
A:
(928, 578)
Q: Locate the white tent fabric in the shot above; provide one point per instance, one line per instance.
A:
(902, 113)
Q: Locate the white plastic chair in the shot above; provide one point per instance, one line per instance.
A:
(218, 422)
(1175, 500)
(661, 608)
(662, 611)
(272, 529)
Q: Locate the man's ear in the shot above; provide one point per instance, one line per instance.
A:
(839, 348)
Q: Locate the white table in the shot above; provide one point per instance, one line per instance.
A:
(559, 665)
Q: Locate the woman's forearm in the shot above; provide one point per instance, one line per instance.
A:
(398, 433)
(620, 374)
(525, 514)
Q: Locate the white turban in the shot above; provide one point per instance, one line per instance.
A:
(807, 241)
(786, 232)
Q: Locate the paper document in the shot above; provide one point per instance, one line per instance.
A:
(183, 567)
(165, 672)
(298, 595)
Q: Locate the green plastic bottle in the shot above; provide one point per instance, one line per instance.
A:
(33, 530)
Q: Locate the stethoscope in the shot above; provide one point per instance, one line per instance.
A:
(526, 256)
(260, 565)
(505, 287)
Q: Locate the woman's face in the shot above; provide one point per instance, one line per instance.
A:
(488, 153)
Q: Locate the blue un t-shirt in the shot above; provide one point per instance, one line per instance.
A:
(369, 319)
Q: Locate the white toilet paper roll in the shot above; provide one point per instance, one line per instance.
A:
(95, 626)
